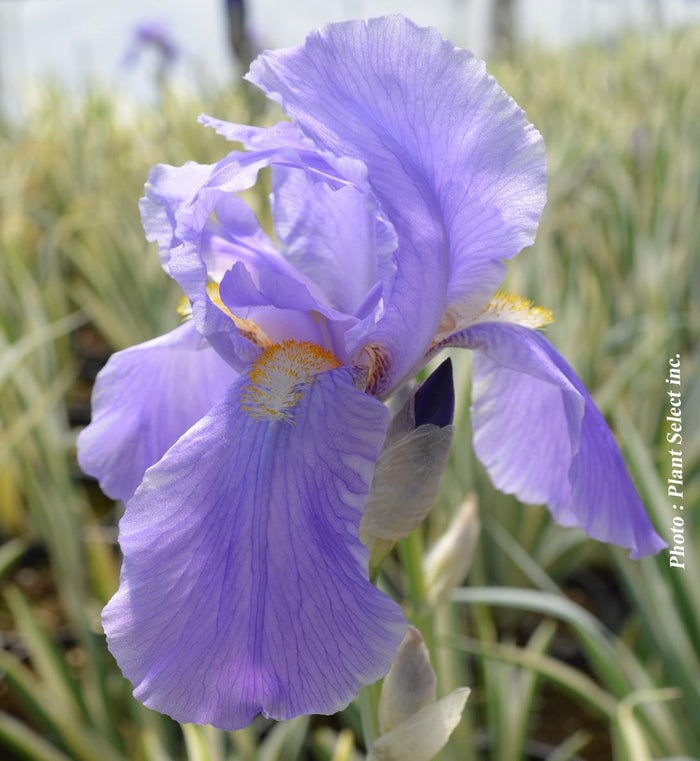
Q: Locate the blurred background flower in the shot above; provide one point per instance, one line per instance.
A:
(153, 37)
(219, 38)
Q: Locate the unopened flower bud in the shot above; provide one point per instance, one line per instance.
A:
(435, 400)
(407, 474)
(449, 560)
(423, 736)
(415, 725)
(410, 684)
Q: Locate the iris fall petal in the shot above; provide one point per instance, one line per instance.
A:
(541, 437)
(145, 398)
(244, 586)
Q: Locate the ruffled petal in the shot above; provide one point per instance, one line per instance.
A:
(168, 188)
(244, 586)
(540, 436)
(451, 158)
(215, 230)
(280, 135)
(284, 308)
(236, 236)
(194, 258)
(335, 237)
(145, 398)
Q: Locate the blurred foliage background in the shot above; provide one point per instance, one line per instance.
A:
(572, 650)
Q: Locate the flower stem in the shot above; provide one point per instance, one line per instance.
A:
(411, 554)
(369, 703)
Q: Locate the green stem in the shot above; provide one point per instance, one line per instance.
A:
(411, 554)
(369, 704)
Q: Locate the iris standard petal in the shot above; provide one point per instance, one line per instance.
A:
(235, 236)
(168, 189)
(282, 134)
(282, 307)
(244, 586)
(208, 246)
(145, 398)
(196, 257)
(541, 437)
(291, 148)
(451, 158)
(334, 236)
(215, 230)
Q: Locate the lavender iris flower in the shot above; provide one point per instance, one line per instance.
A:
(244, 441)
(153, 34)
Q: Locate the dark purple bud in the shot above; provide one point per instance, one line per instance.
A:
(435, 399)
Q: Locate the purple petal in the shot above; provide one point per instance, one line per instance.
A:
(168, 188)
(451, 158)
(214, 230)
(540, 436)
(335, 237)
(235, 236)
(145, 398)
(194, 258)
(284, 309)
(244, 587)
(289, 147)
(282, 134)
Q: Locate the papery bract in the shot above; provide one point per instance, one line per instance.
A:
(414, 725)
(405, 179)
(410, 684)
(448, 561)
(408, 471)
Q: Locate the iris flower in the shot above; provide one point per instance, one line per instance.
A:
(153, 34)
(244, 441)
